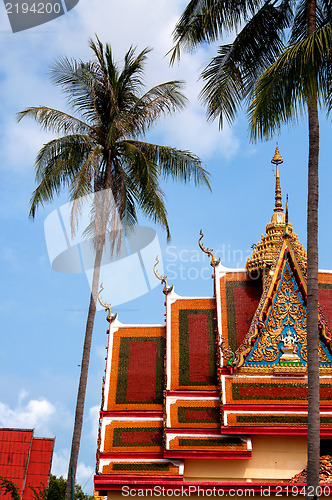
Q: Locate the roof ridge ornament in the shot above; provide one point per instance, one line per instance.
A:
(277, 160)
(162, 278)
(110, 316)
(214, 262)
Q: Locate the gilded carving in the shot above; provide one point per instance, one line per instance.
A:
(283, 339)
(285, 330)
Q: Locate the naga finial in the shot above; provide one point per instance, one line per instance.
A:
(162, 278)
(208, 251)
(107, 306)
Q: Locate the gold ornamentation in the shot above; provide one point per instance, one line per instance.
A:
(278, 200)
(286, 218)
(162, 278)
(265, 252)
(285, 332)
(287, 324)
(277, 157)
(110, 316)
(208, 251)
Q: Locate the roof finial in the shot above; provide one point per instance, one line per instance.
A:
(278, 200)
(110, 316)
(162, 278)
(208, 251)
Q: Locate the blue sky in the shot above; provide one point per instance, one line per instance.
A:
(43, 312)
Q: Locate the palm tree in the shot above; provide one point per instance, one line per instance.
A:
(99, 149)
(285, 47)
(298, 79)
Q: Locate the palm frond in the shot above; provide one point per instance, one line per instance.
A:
(299, 27)
(208, 20)
(163, 99)
(141, 177)
(177, 164)
(56, 165)
(230, 76)
(54, 120)
(295, 77)
(76, 79)
(130, 80)
(149, 198)
(101, 151)
(129, 210)
(81, 185)
(325, 8)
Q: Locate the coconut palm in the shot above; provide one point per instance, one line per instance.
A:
(100, 149)
(286, 46)
(304, 68)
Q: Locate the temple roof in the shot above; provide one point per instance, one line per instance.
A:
(266, 252)
(279, 262)
(25, 460)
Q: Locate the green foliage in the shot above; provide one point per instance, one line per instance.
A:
(57, 489)
(271, 67)
(281, 93)
(99, 146)
(8, 487)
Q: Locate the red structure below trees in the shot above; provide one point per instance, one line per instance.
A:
(25, 460)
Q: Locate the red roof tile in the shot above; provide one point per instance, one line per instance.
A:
(25, 460)
(39, 466)
(15, 447)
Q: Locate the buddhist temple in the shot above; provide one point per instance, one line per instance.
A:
(215, 398)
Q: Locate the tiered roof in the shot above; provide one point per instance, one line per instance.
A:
(219, 371)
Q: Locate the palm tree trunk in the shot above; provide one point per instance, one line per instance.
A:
(76, 440)
(103, 211)
(312, 305)
(312, 283)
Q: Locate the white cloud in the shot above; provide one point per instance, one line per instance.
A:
(189, 131)
(20, 142)
(35, 414)
(84, 472)
(9, 257)
(116, 23)
(60, 462)
(94, 422)
(39, 414)
(23, 394)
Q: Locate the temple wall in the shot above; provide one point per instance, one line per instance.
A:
(274, 458)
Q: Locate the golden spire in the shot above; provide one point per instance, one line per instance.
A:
(278, 200)
(286, 218)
